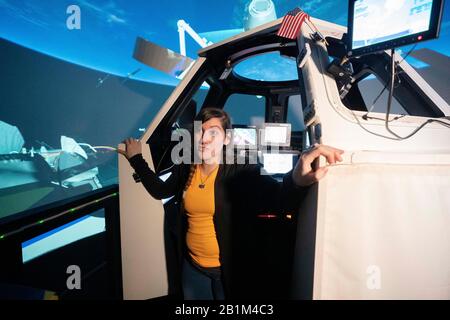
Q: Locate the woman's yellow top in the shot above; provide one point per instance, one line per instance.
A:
(199, 205)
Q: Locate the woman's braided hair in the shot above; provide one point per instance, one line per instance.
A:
(204, 115)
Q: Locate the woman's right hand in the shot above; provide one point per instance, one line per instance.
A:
(132, 148)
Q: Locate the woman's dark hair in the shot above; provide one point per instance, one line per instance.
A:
(204, 115)
(208, 113)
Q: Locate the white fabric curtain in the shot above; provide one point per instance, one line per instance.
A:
(382, 232)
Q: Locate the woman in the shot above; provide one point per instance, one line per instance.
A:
(212, 192)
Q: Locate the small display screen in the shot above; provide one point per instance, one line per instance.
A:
(244, 137)
(278, 163)
(276, 134)
(377, 21)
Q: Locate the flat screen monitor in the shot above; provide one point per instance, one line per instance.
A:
(64, 235)
(245, 137)
(278, 163)
(376, 25)
(278, 134)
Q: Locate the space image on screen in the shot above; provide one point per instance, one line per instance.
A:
(377, 21)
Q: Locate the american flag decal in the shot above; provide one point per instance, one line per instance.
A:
(292, 23)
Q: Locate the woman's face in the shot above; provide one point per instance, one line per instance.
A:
(211, 140)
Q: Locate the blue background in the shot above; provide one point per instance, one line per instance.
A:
(109, 28)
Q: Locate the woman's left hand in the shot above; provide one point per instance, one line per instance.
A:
(304, 174)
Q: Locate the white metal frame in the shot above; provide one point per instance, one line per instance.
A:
(144, 274)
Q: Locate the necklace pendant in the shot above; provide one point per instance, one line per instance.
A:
(201, 185)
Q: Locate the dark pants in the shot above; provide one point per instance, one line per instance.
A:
(201, 283)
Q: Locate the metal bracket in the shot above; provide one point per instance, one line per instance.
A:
(226, 73)
(304, 54)
(309, 114)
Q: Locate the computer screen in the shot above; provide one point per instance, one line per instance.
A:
(376, 25)
(278, 163)
(276, 134)
(245, 137)
(64, 235)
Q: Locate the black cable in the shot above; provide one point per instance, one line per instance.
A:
(366, 116)
(391, 93)
(391, 83)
